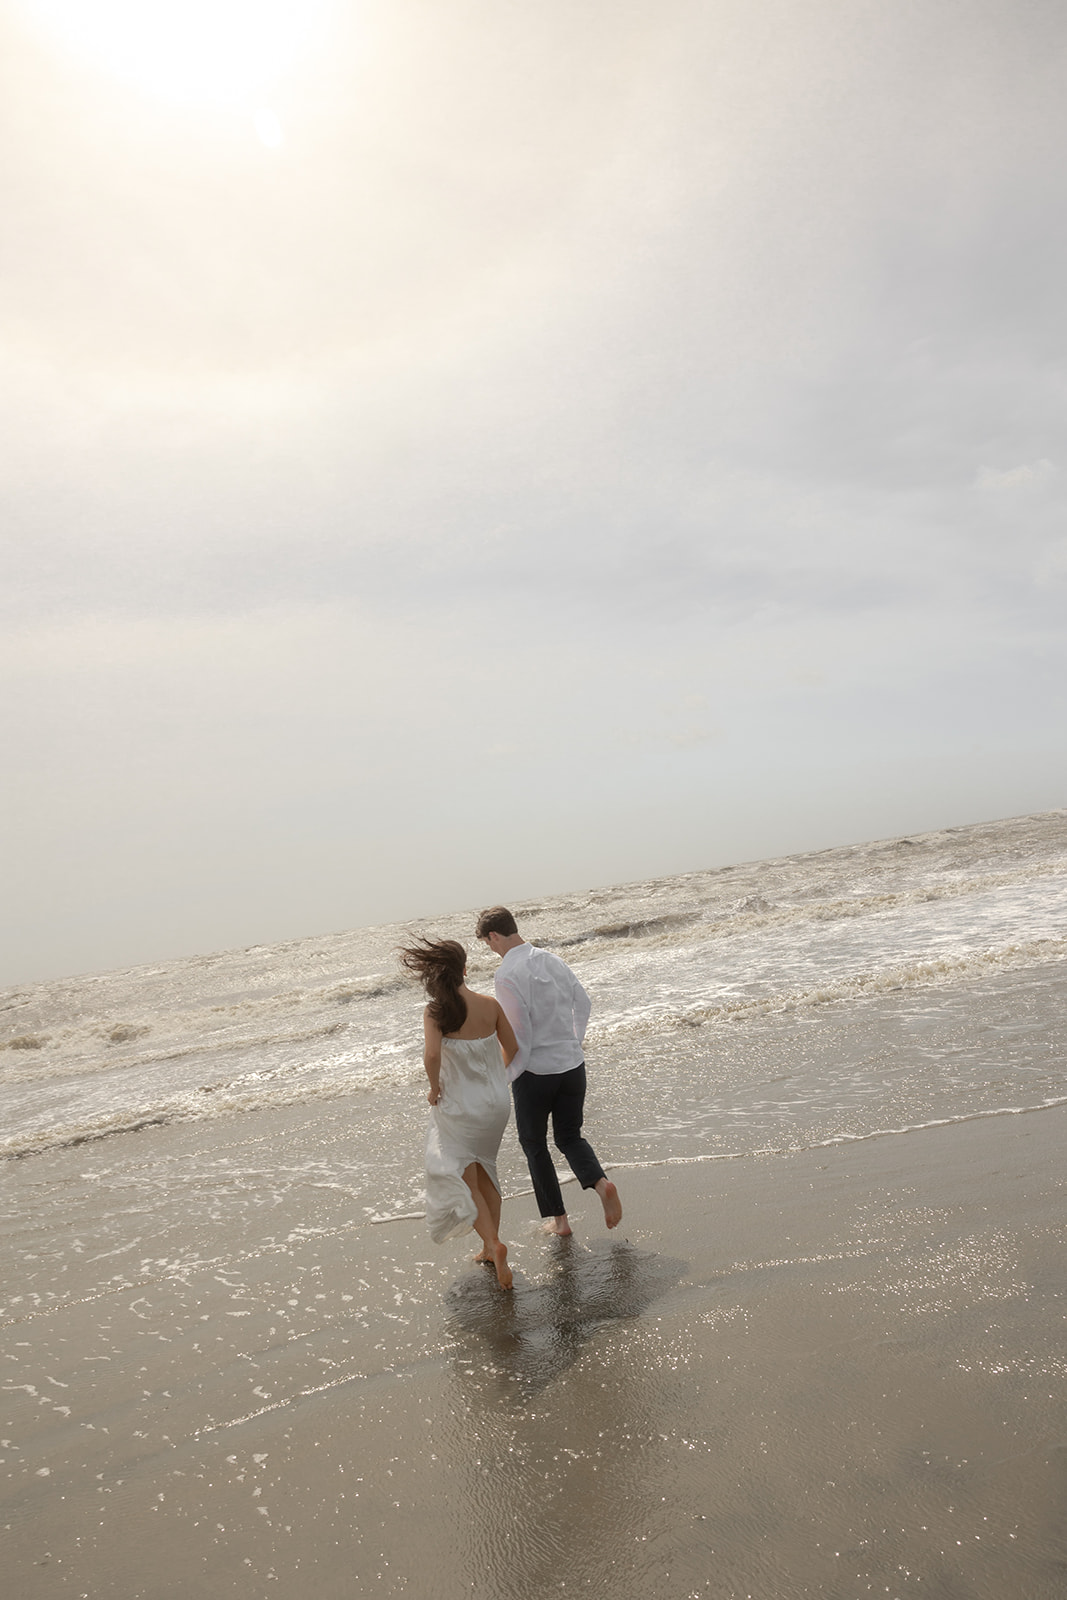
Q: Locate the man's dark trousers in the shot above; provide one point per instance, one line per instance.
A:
(561, 1096)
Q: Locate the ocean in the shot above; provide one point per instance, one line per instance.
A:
(775, 1005)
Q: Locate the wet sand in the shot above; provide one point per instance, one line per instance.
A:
(837, 1373)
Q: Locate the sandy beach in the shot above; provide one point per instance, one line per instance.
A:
(835, 1373)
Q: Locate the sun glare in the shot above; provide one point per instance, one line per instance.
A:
(221, 53)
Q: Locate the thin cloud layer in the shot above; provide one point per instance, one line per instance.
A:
(651, 420)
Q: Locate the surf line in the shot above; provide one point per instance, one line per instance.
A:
(844, 1138)
(280, 1405)
(838, 1139)
(513, 1194)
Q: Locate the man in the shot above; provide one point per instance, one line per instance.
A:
(549, 1010)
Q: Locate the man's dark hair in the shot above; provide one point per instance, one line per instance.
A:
(497, 919)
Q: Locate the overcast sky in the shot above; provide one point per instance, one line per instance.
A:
(473, 449)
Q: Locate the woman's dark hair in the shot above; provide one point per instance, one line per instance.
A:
(440, 964)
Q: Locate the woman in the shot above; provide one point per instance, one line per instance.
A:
(469, 1043)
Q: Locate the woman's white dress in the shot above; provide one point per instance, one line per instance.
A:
(467, 1124)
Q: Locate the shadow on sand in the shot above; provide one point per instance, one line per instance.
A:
(511, 1346)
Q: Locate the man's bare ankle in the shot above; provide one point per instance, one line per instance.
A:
(609, 1199)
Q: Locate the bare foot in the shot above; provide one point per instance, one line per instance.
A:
(558, 1226)
(500, 1261)
(483, 1255)
(609, 1199)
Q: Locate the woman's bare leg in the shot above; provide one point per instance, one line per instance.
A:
(486, 1224)
(491, 1195)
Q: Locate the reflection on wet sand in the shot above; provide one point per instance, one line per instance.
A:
(515, 1345)
(555, 1410)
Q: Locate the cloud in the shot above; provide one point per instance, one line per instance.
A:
(669, 395)
(1052, 565)
(1029, 475)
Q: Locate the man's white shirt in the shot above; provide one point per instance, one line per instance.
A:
(546, 1006)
